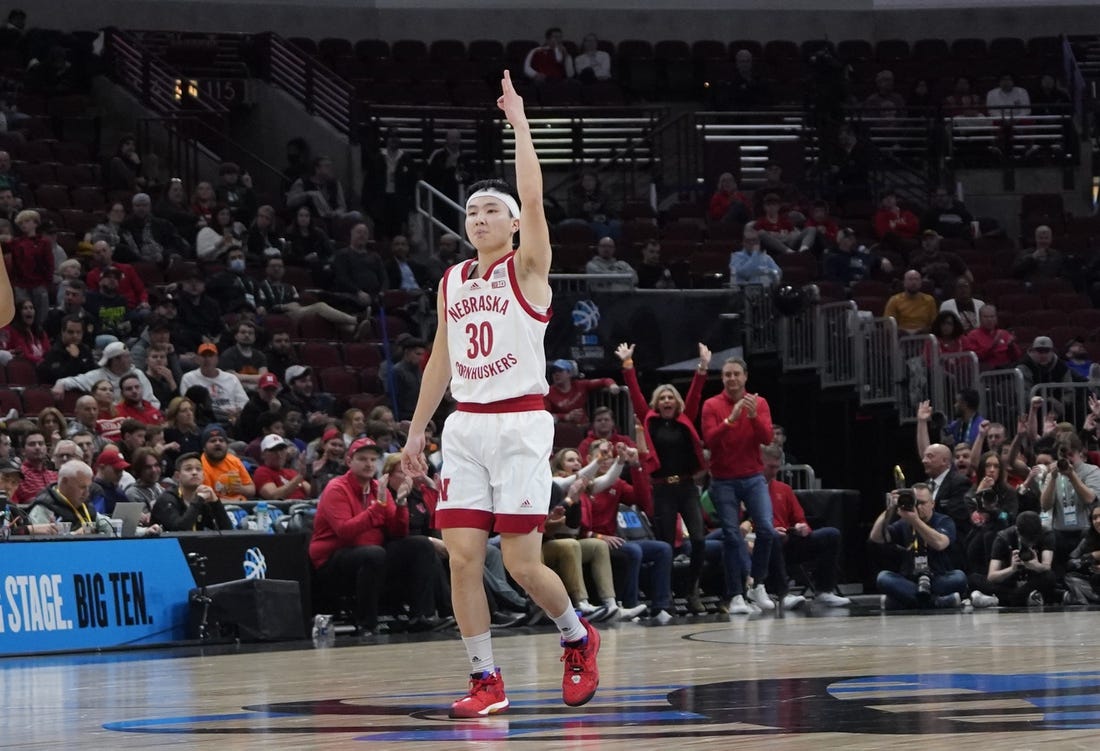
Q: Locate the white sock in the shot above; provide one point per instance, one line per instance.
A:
(609, 603)
(480, 651)
(569, 625)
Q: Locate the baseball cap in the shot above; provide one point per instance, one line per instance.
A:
(272, 442)
(294, 372)
(111, 351)
(208, 348)
(1042, 342)
(112, 459)
(114, 271)
(268, 381)
(557, 365)
(329, 434)
(8, 467)
(213, 430)
(930, 233)
(363, 443)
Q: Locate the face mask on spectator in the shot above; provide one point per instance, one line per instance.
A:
(236, 264)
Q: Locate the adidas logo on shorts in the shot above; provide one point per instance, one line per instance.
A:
(525, 504)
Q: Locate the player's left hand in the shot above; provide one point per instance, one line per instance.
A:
(511, 103)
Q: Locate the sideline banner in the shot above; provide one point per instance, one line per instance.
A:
(70, 595)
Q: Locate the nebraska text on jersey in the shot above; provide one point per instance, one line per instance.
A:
(478, 304)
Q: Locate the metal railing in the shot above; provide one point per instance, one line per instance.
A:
(799, 476)
(878, 361)
(921, 370)
(1069, 402)
(1003, 397)
(585, 283)
(761, 325)
(319, 90)
(427, 198)
(798, 344)
(186, 143)
(159, 87)
(837, 331)
(621, 408)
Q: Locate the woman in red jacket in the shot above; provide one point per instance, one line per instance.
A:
(677, 453)
(25, 338)
(361, 535)
(31, 263)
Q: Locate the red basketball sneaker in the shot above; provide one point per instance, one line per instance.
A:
(582, 674)
(486, 697)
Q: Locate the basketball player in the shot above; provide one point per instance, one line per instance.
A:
(493, 313)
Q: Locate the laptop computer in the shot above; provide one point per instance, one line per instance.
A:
(130, 514)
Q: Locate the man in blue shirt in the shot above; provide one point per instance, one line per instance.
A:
(924, 537)
(752, 265)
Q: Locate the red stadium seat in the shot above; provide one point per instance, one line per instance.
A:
(320, 355)
(340, 381)
(37, 398)
(21, 372)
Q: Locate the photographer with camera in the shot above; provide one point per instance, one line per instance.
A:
(1020, 569)
(1071, 488)
(1083, 568)
(911, 525)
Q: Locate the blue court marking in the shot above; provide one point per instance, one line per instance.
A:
(1058, 716)
(1080, 700)
(535, 725)
(148, 725)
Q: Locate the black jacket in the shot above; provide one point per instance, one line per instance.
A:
(176, 515)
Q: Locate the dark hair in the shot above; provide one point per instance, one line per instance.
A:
(947, 315)
(159, 323)
(603, 410)
(186, 458)
(141, 455)
(129, 425)
(1028, 525)
(492, 184)
(377, 428)
(551, 31)
(72, 318)
(970, 398)
(267, 419)
(127, 377)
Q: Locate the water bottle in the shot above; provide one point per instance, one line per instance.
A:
(5, 532)
(263, 518)
(324, 635)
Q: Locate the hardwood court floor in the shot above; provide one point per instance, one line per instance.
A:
(991, 679)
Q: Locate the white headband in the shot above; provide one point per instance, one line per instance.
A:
(501, 196)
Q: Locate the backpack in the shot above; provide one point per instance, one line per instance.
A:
(634, 524)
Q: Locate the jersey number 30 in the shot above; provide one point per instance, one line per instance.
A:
(481, 339)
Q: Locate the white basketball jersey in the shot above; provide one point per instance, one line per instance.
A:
(494, 336)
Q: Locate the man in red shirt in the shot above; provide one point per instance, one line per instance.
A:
(995, 348)
(567, 399)
(603, 427)
(361, 535)
(133, 405)
(36, 472)
(891, 219)
(130, 285)
(549, 62)
(274, 481)
(735, 425)
(796, 542)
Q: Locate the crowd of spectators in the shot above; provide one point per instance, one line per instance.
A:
(184, 397)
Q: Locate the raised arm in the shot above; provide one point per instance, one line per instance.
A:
(437, 375)
(533, 258)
